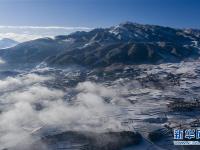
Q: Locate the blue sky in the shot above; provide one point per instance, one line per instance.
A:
(92, 13)
(99, 13)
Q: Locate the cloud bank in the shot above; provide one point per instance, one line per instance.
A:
(29, 108)
(25, 33)
(45, 27)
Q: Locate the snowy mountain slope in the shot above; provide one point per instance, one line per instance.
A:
(126, 43)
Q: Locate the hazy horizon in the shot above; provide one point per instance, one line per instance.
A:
(26, 33)
(24, 20)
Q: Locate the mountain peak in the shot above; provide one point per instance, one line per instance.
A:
(129, 23)
(126, 43)
(6, 42)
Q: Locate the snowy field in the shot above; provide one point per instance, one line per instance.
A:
(45, 101)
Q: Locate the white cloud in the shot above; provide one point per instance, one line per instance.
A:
(11, 83)
(20, 118)
(45, 27)
(25, 33)
(19, 37)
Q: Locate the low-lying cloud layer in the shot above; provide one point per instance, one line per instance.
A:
(30, 108)
(25, 33)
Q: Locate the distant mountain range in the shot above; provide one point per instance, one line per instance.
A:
(6, 43)
(126, 43)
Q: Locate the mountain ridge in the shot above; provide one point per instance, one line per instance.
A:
(6, 43)
(126, 43)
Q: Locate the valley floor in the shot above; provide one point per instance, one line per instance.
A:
(78, 108)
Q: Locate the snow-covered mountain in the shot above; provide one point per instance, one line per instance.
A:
(126, 43)
(133, 85)
(6, 43)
